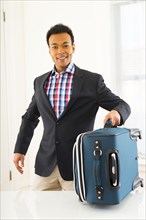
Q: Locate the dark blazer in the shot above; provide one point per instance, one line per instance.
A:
(89, 92)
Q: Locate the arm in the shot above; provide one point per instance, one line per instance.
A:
(29, 122)
(118, 109)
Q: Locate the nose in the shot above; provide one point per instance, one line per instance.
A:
(60, 50)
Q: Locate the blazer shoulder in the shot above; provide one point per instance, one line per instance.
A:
(41, 79)
(89, 74)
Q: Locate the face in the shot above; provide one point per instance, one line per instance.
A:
(61, 50)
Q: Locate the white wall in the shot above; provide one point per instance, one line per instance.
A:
(90, 22)
(13, 88)
(91, 25)
(25, 56)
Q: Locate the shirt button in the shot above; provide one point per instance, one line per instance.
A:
(57, 142)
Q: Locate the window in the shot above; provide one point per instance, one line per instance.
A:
(129, 33)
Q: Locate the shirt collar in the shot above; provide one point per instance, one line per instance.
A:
(70, 69)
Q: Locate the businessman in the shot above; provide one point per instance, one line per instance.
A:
(67, 99)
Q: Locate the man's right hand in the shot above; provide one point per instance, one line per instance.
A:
(19, 162)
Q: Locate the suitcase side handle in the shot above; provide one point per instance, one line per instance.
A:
(108, 124)
(113, 169)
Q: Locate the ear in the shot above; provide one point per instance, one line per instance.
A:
(73, 47)
(49, 50)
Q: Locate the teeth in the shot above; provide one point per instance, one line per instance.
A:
(61, 58)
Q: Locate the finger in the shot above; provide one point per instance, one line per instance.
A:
(19, 168)
(113, 121)
(22, 162)
(107, 117)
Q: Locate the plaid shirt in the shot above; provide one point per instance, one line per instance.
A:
(59, 88)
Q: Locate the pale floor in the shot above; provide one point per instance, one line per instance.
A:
(65, 205)
(26, 204)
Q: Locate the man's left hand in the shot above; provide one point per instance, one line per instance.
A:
(114, 116)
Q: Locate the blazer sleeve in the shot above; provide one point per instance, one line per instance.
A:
(109, 101)
(29, 123)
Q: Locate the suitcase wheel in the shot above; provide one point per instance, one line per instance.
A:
(142, 183)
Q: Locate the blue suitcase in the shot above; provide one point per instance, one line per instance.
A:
(105, 164)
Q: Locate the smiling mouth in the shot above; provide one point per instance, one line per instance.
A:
(61, 58)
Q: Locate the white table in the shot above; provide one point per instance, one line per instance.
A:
(65, 205)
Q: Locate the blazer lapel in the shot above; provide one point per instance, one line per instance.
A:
(77, 85)
(46, 100)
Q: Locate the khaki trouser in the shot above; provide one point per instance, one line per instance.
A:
(52, 182)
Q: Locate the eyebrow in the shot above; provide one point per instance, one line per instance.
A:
(66, 42)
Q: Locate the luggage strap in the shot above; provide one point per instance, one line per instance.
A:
(97, 169)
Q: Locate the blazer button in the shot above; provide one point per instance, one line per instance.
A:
(57, 142)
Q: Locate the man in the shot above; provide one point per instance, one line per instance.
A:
(67, 98)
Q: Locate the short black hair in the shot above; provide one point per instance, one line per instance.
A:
(57, 29)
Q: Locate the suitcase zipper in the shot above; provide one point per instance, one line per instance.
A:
(78, 154)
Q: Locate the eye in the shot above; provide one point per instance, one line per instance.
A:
(54, 47)
(66, 45)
